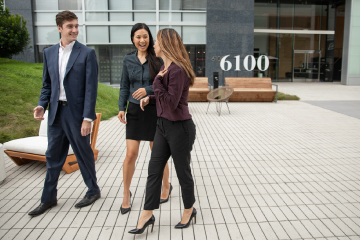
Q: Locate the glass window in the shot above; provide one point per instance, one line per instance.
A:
(45, 17)
(286, 16)
(120, 5)
(120, 34)
(40, 52)
(128, 17)
(170, 17)
(144, 5)
(265, 15)
(194, 17)
(194, 5)
(70, 4)
(170, 4)
(96, 5)
(97, 34)
(194, 35)
(80, 37)
(46, 5)
(197, 58)
(96, 17)
(144, 17)
(176, 28)
(47, 35)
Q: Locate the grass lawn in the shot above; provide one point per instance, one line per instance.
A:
(20, 85)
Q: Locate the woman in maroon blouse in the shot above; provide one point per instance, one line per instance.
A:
(175, 132)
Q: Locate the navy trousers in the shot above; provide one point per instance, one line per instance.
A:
(171, 139)
(60, 134)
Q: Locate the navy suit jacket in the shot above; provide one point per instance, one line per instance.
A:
(80, 82)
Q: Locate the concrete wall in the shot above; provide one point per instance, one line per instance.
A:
(229, 30)
(24, 8)
(350, 74)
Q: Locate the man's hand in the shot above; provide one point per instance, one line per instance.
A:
(85, 128)
(139, 94)
(39, 113)
(144, 102)
(121, 117)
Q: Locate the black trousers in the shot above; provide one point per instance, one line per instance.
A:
(171, 139)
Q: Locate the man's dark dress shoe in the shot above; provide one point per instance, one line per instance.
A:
(42, 208)
(126, 210)
(151, 221)
(165, 200)
(87, 200)
(193, 215)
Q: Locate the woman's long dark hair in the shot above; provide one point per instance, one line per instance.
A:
(154, 62)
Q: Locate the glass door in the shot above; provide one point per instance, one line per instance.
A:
(306, 66)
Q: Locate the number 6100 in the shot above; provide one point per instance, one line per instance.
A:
(245, 63)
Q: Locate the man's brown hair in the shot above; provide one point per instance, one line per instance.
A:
(65, 16)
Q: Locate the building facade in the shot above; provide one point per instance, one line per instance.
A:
(305, 40)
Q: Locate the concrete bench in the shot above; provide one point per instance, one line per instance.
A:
(199, 91)
(251, 89)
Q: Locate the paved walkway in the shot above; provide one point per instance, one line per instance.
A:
(266, 171)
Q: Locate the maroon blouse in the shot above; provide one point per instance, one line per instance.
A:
(171, 94)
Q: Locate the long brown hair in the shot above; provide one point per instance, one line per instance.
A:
(154, 62)
(171, 45)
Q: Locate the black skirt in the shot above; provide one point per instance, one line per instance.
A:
(141, 125)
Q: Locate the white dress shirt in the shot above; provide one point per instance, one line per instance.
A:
(64, 55)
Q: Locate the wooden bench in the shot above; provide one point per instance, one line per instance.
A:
(251, 89)
(70, 165)
(199, 91)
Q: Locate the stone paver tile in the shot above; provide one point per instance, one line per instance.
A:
(117, 233)
(58, 234)
(47, 233)
(21, 235)
(279, 230)
(268, 231)
(211, 232)
(223, 231)
(82, 233)
(35, 234)
(234, 231)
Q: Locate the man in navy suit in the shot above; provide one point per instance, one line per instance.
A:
(70, 89)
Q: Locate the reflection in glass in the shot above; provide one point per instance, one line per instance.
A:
(120, 34)
(197, 58)
(144, 5)
(196, 35)
(170, 17)
(47, 35)
(97, 34)
(96, 17)
(96, 5)
(128, 17)
(46, 4)
(170, 4)
(120, 5)
(143, 17)
(70, 4)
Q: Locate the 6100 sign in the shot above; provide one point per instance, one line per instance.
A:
(262, 63)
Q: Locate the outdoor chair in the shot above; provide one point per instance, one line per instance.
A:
(220, 95)
(23, 150)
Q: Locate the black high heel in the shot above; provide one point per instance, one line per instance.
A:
(165, 200)
(126, 210)
(193, 215)
(141, 230)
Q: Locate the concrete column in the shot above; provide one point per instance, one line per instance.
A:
(350, 74)
(229, 30)
(24, 8)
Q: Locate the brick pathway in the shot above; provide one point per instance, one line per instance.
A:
(266, 171)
